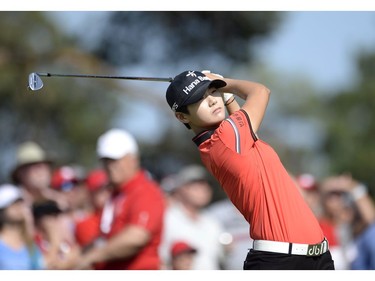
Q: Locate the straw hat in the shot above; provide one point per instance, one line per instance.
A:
(28, 153)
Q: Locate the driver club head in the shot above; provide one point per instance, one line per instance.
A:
(35, 83)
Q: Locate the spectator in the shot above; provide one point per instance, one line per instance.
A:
(69, 184)
(362, 225)
(236, 235)
(88, 232)
(168, 183)
(18, 250)
(60, 252)
(68, 180)
(133, 222)
(186, 219)
(182, 256)
(341, 197)
(309, 188)
(365, 249)
(33, 172)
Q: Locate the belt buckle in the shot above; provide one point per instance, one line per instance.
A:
(317, 249)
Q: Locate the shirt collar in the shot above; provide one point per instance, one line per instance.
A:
(133, 182)
(202, 137)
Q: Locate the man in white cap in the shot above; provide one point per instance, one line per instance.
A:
(132, 222)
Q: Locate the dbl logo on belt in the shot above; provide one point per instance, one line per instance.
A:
(317, 249)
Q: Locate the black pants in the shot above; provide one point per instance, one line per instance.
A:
(259, 260)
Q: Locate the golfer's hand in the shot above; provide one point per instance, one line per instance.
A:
(212, 76)
(226, 96)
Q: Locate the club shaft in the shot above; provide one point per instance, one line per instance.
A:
(160, 79)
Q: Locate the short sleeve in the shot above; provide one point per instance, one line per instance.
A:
(236, 132)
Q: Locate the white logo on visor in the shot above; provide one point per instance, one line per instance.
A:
(191, 73)
(193, 83)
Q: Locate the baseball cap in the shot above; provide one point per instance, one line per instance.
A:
(190, 174)
(189, 87)
(115, 144)
(169, 183)
(307, 181)
(96, 179)
(180, 247)
(45, 208)
(64, 178)
(9, 194)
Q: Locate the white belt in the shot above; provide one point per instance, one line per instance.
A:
(291, 248)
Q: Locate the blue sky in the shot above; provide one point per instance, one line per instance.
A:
(321, 45)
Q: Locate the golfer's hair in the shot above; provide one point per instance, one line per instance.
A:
(2, 218)
(184, 109)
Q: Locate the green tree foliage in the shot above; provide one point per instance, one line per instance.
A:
(350, 120)
(180, 36)
(67, 115)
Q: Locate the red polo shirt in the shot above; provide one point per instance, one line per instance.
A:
(141, 202)
(255, 180)
(87, 230)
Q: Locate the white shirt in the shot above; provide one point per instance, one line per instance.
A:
(203, 233)
(235, 224)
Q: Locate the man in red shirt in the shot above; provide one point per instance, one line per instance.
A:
(87, 230)
(286, 233)
(132, 221)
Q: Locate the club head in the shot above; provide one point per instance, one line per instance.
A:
(35, 83)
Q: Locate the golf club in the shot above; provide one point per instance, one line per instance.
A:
(36, 83)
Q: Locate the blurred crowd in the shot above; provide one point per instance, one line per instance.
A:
(346, 213)
(118, 216)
